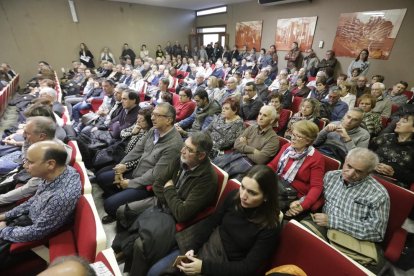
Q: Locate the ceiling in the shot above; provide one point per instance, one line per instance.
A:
(185, 4)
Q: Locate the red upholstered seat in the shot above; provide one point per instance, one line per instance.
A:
(76, 155)
(282, 141)
(86, 238)
(330, 165)
(298, 246)
(321, 124)
(295, 104)
(86, 184)
(402, 202)
(409, 94)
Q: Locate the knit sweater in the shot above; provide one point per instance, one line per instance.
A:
(359, 138)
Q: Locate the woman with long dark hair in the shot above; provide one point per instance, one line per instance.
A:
(241, 235)
(360, 62)
(85, 56)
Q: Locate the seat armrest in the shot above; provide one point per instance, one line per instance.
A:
(202, 215)
(62, 244)
(25, 246)
(396, 245)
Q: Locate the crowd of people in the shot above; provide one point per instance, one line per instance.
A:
(150, 129)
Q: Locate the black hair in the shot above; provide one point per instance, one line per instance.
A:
(267, 214)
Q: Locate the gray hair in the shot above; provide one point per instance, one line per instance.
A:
(49, 91)
(43, 125)
(367, 156)
(170, 110)
(335, 90)
(273, 112)
(232, 79)
(380, 85)
(121, 87)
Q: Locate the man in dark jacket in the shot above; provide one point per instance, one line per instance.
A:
(188, 187)
(251, 102)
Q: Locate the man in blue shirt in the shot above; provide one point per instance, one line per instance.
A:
(336, 108)
(54, 202)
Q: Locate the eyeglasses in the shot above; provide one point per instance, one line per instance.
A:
(298, 137)
(156, 115)
(188, 149)
(182, 95)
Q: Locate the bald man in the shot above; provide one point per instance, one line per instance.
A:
(68, 266)
(54, 202)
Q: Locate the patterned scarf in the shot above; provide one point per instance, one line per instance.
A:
(298, 158)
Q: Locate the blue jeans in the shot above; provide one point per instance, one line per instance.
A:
(162, 264)
(77, 109)
(112, 203)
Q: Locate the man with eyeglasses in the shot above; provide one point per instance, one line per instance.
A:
(251, 104)
(334, 106)
(231, 91)
(186, 106)
(143, 164)
(37, 129)
(188, 187)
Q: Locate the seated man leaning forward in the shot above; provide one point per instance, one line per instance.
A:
(187, 188)
(355, 203)
(54, 202)
(258, 144)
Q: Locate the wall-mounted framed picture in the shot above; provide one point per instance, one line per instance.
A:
(300, 29)
(249, 33)
(372, 30)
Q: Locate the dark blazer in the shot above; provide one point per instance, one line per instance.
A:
(195, 194)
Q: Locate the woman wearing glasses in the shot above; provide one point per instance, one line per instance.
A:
(300, 168)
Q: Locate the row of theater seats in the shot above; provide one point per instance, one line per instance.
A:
(7, 93)
(85, 237)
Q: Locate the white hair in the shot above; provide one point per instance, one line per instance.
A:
(369, 157)
(49, 91)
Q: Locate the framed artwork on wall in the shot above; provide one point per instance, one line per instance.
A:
(372, 30)
(250, 34)
(301, 30)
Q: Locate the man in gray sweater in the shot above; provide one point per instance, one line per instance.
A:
(339, 137)
(147, 160)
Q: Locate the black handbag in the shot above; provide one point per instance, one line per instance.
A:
(287, 194)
